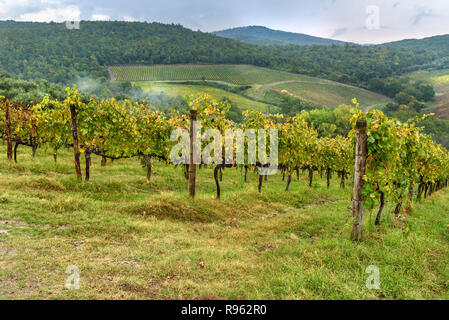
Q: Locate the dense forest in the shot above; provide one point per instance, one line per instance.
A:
(436, 43)
(264, 36)
(51, 51)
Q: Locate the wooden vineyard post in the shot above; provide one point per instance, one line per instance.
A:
(310, 176)
(217, 184)
(148, 168)
(192, 165)
(359, 172)
(8, 130)
(76, 150)
(88, 158)
(259, 188)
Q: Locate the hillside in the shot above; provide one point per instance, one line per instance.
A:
(51, 51)
(265, 36)
(438, 45)
(182, 90)
(440, 81)
(266, 84)
(133, 240)
(326, 93)
(435, 43)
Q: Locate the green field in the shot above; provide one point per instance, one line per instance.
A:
(218, 94)
(440, 80)
(331, 94)
(263, 82)
(133, 240)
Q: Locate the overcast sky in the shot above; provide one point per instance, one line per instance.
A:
(349, 20)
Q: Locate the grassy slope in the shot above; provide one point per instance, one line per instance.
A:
(331, 94)
(262, 80)
(133, 240)
(218, 94)
(440, 80)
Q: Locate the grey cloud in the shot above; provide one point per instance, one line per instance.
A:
(316, 17)
(422, 14)
(339, 32)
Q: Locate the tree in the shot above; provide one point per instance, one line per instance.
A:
(403, 98)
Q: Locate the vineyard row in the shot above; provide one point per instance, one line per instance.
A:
(382, 157)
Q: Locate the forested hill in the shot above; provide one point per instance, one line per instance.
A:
(265, 36)
(53, 52)
(438, 43)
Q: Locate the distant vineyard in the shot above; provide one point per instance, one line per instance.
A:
(263, 81)
(232, 73)
(179, 73)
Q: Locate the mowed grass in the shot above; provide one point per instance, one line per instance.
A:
(263, 82)
(182, 90)
(133, 240)
(440, 81)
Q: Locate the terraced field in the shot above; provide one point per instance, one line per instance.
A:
(440, 80)
(266, 84)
